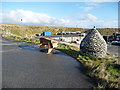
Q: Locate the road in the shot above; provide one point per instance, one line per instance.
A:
(114, 50)
(24, 66)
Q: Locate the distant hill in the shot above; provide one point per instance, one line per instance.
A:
(106, 31)
(31, 30)
(86, 28)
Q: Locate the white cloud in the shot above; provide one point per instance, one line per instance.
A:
(92, 17)
(88, 17)
(93, 3)
(89, 20)
(87, 8)
(30, 17)
(81, 20)
(98, 24)
(90, 6)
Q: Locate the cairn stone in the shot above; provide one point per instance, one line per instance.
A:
(93, 45)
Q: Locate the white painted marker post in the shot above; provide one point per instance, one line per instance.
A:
(21, 27)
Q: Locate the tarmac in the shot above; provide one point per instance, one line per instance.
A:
(24, 66)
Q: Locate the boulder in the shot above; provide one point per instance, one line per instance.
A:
(93, 45)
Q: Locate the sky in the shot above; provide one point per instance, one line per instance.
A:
(67, 14)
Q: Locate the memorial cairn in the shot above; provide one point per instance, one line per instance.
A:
(93, 45)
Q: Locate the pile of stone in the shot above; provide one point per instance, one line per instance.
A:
(93, 45)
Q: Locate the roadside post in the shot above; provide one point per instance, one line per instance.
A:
(21, 27)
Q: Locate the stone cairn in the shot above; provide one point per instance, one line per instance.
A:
(93, 45)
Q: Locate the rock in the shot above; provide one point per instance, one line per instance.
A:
(93, 45)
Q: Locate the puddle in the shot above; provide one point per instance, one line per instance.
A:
(30, 47)
(109, 43)
(36, 49)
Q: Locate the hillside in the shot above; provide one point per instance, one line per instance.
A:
(106, 31)
(31, 30)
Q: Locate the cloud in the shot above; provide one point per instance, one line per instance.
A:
(29, 17)
(92, 17)
(98, 24)
(34, 18)
(92, 3)
(87, 8)
(88, 17)
(89, 20)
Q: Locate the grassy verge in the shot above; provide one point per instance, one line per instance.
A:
(105, 71)
(17, 38)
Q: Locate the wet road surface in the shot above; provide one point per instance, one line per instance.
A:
(25, 67)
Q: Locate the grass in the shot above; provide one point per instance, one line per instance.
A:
(105, 71)
(16, 38)
(106, 31)
(30, 30)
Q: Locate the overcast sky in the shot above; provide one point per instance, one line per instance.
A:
(70, 14)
